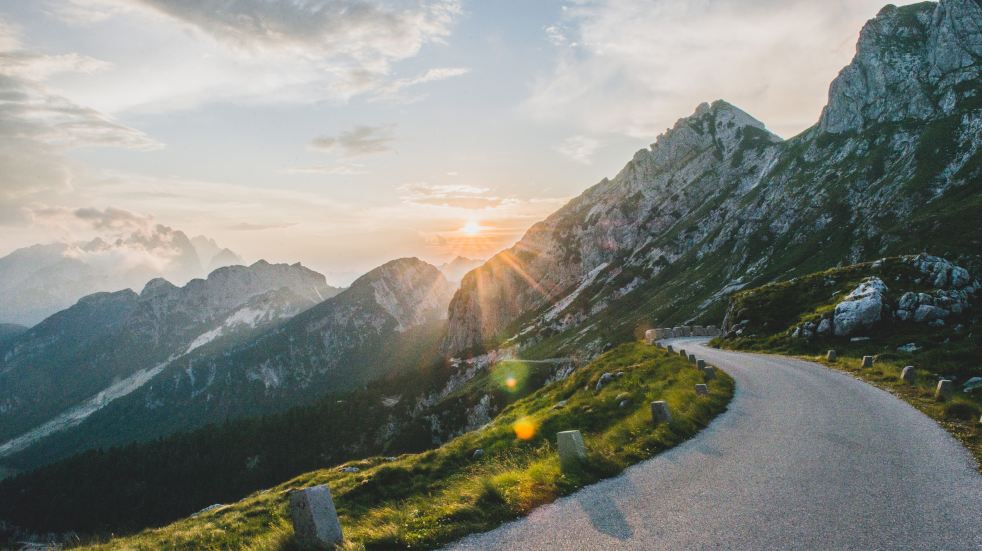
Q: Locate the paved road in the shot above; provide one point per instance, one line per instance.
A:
(805, 458)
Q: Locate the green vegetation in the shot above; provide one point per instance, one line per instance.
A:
(426, 499)
(773, 310)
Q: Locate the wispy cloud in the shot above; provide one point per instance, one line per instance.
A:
(633, 68)
(579, 148)
(249, 226)
(394, 91)
(360, 140)
(457, 196)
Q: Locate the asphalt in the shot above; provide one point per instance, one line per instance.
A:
(805, 457)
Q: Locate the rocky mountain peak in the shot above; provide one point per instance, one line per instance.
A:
(156, 287)
(409, 289)
(911, 62)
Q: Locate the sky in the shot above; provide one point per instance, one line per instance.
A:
(345, 133)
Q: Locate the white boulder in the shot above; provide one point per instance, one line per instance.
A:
(861, 309)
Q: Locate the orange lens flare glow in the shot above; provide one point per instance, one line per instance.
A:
(524, 428)
(511, 383)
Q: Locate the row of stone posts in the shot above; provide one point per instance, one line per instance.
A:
(652, 335)
(944, 390)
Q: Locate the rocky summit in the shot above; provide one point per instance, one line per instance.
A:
(718, 203)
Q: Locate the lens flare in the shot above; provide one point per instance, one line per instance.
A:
(524, 428)
(511, 383)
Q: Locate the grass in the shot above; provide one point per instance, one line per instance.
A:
(421, 501)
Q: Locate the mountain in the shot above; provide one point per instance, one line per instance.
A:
(455, 269)
(107, 344)
(39, 280)
(718, 203)
(10, 331)
(390, 320)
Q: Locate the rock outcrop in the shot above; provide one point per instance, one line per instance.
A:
(861, 309)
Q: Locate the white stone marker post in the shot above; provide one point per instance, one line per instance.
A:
(867, 361)
(945, 389)
(669, 348)
(830, 355)
(692, 358)
(660, 413)
(702, 389)
(701, 364)
(682, 353)
(315, 520)
(572, 451)
(907, 375)
(709, 372)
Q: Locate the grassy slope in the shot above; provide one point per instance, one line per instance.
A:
(424, 500)
(773, 309)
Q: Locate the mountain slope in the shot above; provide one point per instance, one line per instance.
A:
(389, 320)
(718, 203)
(108, 338)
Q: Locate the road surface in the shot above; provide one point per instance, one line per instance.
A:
(805, 458)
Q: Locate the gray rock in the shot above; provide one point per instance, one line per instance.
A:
(560, 404)
(908, 301)
(603, 380)
(350, 469)
(315, 520)
(927, 312)
(660, 412)
(702, 389)
(478, 454)
(572, 451)
(907, 375)
(936, 323)
(858, 339)
(824, 327)
(861, 309)
(944, 390)
(972, 384)
(902, 315)
(908, 348)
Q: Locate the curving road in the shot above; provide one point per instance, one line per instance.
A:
(805, 458)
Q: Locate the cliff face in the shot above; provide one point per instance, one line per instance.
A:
(718, 203)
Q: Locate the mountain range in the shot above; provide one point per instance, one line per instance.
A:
(39, 280)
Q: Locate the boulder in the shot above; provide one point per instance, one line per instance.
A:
(660, 412)
(572, 451)
(908, 301)
(909, 348)
(478, 454)
(315, 520)
(603, 380)
(928, 313)
(824, 327)
(861, 309)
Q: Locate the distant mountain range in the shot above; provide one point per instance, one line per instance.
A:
(232, 345)
(39, 280)
(456, 268)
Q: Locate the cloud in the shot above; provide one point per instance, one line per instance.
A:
(456, 196)
(113, 219)
(37, 126)
(579, 148)
(633, 68)
(393, 91)
(268, 51)
(249, 226)
(350, 169)
(360, 140)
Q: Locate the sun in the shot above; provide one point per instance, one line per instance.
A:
(471, 227)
